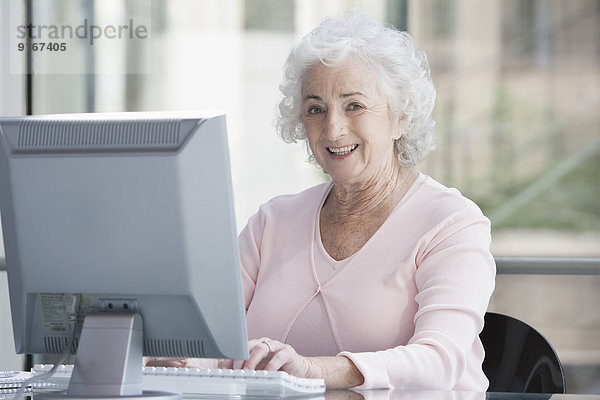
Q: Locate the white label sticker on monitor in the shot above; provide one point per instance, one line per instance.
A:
(54, 313)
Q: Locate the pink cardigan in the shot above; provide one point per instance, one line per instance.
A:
(407, 308)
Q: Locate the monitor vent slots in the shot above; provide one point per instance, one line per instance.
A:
(56, 344)
(174, 348)
(65, 136)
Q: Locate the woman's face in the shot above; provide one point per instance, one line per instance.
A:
(348, 122)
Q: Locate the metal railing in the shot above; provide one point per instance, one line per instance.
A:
(547, 266)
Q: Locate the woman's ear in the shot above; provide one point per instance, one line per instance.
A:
(399, 126)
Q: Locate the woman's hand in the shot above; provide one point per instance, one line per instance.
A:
(339, 372)
(180, 362)
(164, 362)
(271, 355)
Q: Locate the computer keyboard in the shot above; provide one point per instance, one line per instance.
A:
(277, 384)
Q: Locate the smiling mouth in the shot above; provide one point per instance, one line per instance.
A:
(342, 151)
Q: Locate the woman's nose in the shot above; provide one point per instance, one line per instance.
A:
(336, 125)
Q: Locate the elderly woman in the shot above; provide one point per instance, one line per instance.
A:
(380, 277)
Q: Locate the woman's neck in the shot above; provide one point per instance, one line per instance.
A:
(377, 197)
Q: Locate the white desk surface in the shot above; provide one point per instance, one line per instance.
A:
(401, 395)
(429, 395)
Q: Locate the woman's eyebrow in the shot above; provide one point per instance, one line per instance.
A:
(313, 97)
(345, 95)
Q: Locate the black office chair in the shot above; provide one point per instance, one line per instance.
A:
(518, 358)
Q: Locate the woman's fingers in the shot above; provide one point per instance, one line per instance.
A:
(277, 360)
(271, 355)
(264, 354)
(226, 364)
(259, 354)
(202, 363)
(289, 361)
(181, 362)
(164, 362)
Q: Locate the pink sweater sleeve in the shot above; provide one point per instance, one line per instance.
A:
(249, 242)
(455, 279)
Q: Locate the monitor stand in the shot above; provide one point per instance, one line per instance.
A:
(109, 361)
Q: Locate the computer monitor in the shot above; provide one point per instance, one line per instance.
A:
(132, 213)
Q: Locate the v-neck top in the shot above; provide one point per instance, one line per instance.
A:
(406, 308)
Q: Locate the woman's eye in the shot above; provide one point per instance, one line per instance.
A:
(315, 110)
(355, 106)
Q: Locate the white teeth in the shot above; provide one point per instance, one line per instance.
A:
(342, 151)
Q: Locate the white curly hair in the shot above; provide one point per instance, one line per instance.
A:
(403, 71)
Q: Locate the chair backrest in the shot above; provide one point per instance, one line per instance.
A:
(518, 358)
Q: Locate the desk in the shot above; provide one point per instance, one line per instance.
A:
(441, 395)
(429, 395)
(405, 395)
